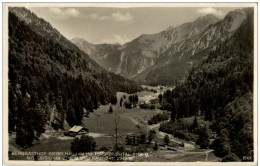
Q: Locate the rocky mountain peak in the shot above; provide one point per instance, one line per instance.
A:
(234, 14)
(204, 21)
(208, 17)
(78, 39)
(235, 18)
(81, 41)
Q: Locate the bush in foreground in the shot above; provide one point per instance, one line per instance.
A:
(83, 144)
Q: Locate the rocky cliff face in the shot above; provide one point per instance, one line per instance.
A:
(176, 61)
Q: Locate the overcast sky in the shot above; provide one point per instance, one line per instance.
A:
(119, 25)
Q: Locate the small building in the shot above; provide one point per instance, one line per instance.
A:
(77, 130)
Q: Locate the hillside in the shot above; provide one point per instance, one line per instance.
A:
(220, 91)
(51, 82)
(99, 53)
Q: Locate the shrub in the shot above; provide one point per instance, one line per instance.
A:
(83, 144)
(185, 135)
(158, 118)
(142, 138)
(21, 137)
(166, 139)
(152, 107)
(155, 146)
(128, 105)
(103, 148)
(144, 106)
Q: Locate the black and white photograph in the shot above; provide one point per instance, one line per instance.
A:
(130, 82)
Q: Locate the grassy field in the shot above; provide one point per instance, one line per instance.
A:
(100, 123)
(131, 121)
(101, 126)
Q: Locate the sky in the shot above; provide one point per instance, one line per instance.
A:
(119, 25)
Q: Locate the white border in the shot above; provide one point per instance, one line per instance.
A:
(120, 5)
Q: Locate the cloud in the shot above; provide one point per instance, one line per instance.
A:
(122, 17)
(95, 16)
(115, 39)
(211, 10)
(72, 12)
(114, 16)
(64, 13)
(55, 10)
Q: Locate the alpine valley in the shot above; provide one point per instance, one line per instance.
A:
(184, 94)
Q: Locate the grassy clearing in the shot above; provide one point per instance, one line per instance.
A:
(132, 121)
(102, 122)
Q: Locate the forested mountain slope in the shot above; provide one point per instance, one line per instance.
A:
(220, 90)
(51, 81)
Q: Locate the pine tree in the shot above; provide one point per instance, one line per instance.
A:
(195, 123)
(150, 137)
(142, 138)
(121, 102)
(136, 98)
(166, 139)
(110, 109)
(160, 98)
(204, 137)
(130, 99)
(127, 140)
(155, 146)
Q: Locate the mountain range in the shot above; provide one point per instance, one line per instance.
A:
(165, 57)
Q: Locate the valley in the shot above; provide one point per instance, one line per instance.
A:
(131, 121)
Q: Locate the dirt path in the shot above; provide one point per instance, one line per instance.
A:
(196, 154)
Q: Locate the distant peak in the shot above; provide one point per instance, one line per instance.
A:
(238, 13)
(171, 27)
(78, 39)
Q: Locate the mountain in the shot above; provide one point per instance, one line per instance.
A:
(167, 56)
(138, 55)
(220, 91)
(98, 53)
(182, 56)
(52, 83)
(85, 46)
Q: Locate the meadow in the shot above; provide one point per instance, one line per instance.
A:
(101, 125)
